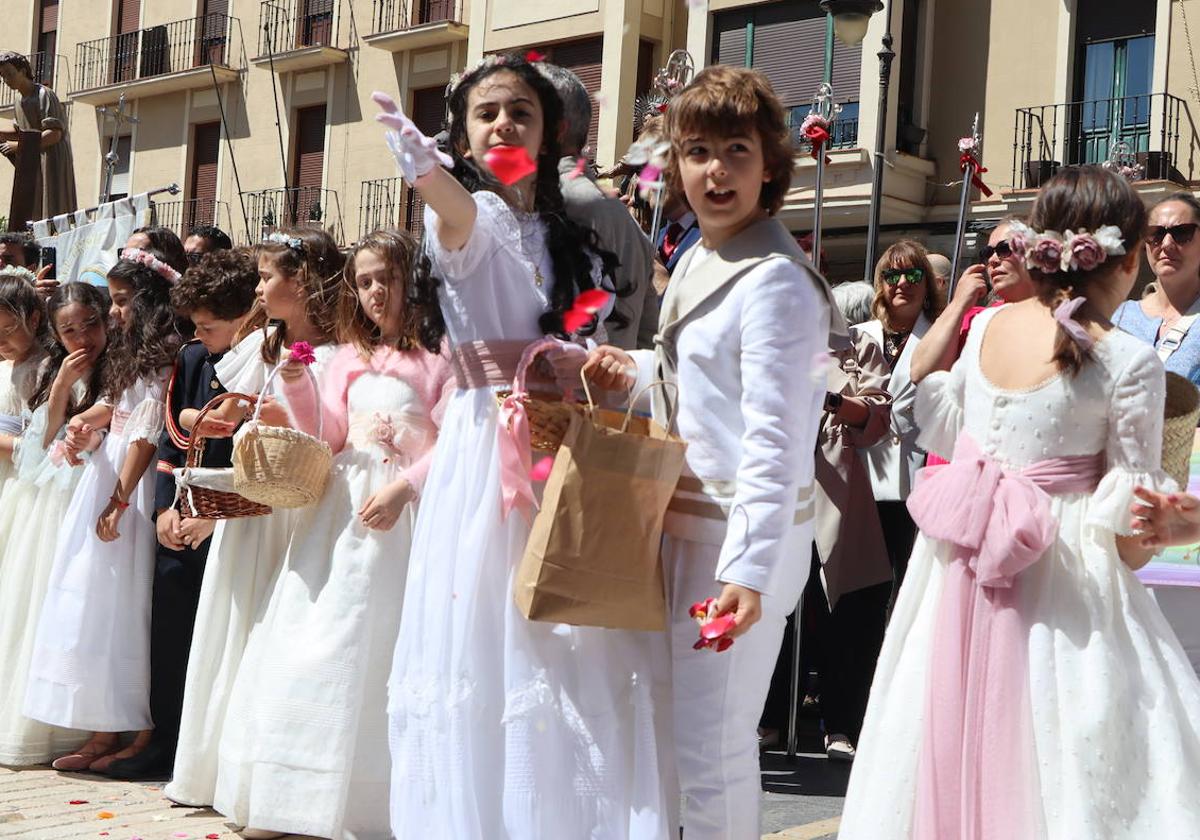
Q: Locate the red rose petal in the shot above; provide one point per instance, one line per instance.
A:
(575, 320)
(580, 164)
(533, 56)
(212, 837)
(541, 470)
(78, 802)
(509, 163)
(592, 301)
(701, 644)
(718, 627)
(724, 644)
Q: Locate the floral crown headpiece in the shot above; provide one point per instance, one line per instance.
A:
(292, 242)
(1050, 251)
(151, 262)
(20, 272)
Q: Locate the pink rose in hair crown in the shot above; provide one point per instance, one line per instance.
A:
(1020, 238)
(302, 352)
(509, 163)
(1082, 252)
(1046, 254)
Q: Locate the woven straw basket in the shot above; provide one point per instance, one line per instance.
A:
(548, 414)
(1182, 411)
(201, 502)
(280, 467)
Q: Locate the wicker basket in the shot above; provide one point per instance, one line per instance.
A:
(1182, 410)
(277, 466)
(548, 414)
(199, 502)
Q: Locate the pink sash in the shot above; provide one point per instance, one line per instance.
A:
(977, 777)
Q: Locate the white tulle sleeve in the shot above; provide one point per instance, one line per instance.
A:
(939, 409)
(241, 370)
(495, 225)
(1133, 452)
(147, 417)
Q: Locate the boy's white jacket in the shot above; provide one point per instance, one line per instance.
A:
(743, 332)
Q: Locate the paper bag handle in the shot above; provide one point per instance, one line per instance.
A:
(587, 390)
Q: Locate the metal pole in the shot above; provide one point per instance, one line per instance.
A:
(817, 199)
(960, 230)
(794, 699)
(656, 219)
(885, 78)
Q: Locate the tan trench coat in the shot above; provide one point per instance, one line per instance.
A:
(848, 534)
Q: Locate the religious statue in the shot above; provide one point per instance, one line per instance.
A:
(39, 110)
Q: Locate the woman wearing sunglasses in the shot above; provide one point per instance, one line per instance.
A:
(1165, 316)
(1010, 283)
(907, 302)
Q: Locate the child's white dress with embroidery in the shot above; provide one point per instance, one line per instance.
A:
(243, 560)
(1105, 707)
(91, 659)
(32, 507)
(503, 728)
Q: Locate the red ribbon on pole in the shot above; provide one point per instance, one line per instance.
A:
(818, 136)
(968, 162)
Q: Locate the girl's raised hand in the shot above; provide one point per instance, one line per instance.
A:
(1166, 519)
(416, 154)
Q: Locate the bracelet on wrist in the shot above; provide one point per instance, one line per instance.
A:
(117, 501)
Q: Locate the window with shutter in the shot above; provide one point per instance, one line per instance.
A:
(310, 165)
(315, 27)
(583, 58)
(129, 13)
(206, 152)
(47, 42)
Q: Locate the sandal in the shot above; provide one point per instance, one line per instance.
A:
(84, 759)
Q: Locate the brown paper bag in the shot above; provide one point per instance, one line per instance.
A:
(593, 554)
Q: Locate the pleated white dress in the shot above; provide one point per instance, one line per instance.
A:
(243, 559)
(307, 751)
(503, 728)
(91, 660)
(32, 505)
(1113, 706)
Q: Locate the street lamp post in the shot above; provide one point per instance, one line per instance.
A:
(850, 20)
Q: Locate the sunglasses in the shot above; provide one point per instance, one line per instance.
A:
(1001, 249)
(1182, 234)
(911, 276)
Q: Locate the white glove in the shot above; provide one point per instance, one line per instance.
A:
(416, 154)
(566, 360)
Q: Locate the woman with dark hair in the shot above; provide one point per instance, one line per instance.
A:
(163, 241)
(1165, 318)
(1029, 686)
(503, 727)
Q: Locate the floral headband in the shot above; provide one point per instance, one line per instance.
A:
(20, 272)
(1050, 251)
(292, 242)
(151, 262)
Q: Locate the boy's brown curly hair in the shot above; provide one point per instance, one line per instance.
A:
(223, 283)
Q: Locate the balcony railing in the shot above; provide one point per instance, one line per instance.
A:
(398, 15)
(1156, 127)
(183, 216)
(844, 135)
(155, 51)
(271, 210)
(288, 25)
(388, 203)
(43, 65)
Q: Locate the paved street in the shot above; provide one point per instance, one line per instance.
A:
(802, 802)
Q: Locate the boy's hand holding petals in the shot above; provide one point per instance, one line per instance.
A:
(743, 603)
(416, 154)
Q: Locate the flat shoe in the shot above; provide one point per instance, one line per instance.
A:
(82, 760)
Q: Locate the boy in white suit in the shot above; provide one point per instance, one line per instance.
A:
(743, 333)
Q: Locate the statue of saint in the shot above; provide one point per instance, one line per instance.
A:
(38, 109)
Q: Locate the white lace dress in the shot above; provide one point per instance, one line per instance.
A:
(91, 658)
(503, 728)
(1113, 705)
(32, 505)
(243, 559)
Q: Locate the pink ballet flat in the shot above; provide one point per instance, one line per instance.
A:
(82, 760)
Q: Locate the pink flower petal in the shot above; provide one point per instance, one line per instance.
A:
(724, 643)
(533, 56)
(600, 99)
(212, 837)
(541, 470)
(592, 301)
(509, 163)
(718, 627)
(580, 164)
(700, 608)
(302, 352)
(574, 320)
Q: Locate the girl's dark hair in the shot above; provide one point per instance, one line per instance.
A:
(151, 336)
(1084, 198)
(168, 246)
(397, 250)
(223, 282)
(317, 265)
(89, 297)
(20, 299)
(571, 246)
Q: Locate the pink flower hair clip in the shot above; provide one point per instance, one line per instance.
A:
(151, 262)
(1050, 251)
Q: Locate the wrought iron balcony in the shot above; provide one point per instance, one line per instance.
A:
(406, 24)
(183, 216)
(272, 210)
(299, 34)
(44, 65)
(843, 136)
(159, 59)
(1156, 127)
(388, 203)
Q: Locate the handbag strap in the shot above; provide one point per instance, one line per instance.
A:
(1173, 340)
(312, 379)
